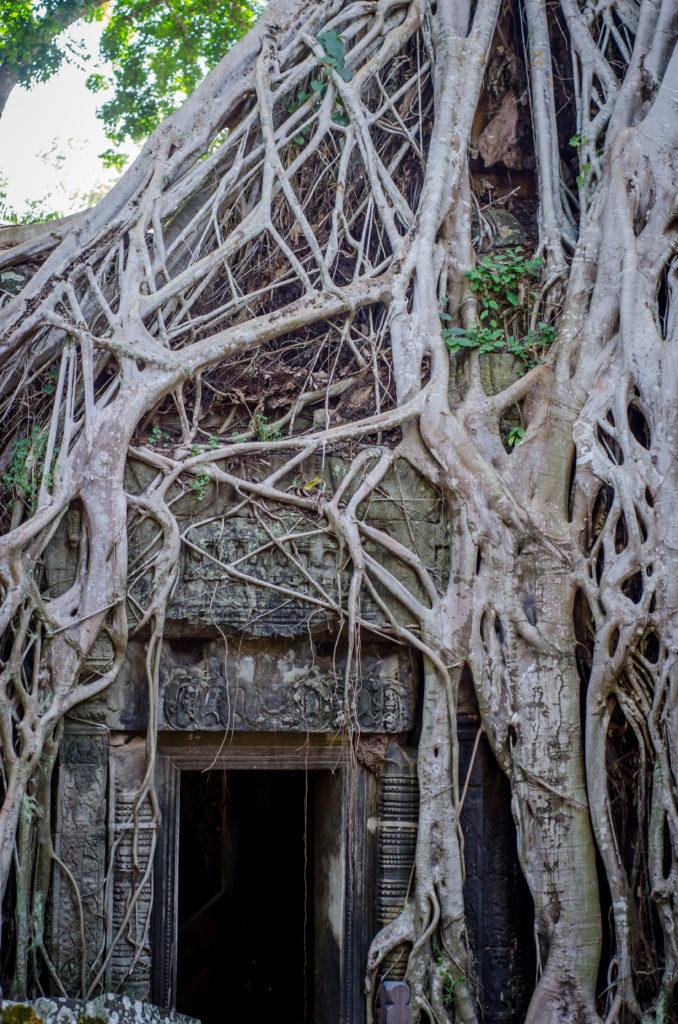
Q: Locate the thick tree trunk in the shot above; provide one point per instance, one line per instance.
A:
(8, 79)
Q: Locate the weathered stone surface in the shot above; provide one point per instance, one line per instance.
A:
(499, 912)
(273, 688)
(394, 1005)
(131, 830)
(398, 816)
(284, 693)
(105, 1009)
(80, 843)
(229, 569)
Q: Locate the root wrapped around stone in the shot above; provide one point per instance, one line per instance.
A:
(300, 262)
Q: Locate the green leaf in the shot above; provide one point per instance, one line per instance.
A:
(582, 178)
(512, 298)
(339, 118)
(299, 139)
(332, 43)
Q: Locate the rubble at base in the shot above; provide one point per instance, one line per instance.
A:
(104, 1009)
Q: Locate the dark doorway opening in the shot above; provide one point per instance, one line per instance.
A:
(245, 938)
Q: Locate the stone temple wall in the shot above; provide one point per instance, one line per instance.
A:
(251, 673)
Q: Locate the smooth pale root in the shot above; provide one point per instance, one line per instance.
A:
(124, 281)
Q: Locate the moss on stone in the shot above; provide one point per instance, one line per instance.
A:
(19, 1013)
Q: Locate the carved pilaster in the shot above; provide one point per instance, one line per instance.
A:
(80, 844)
(131, 835)
(398, 813)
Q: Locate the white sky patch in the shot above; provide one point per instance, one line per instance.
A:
(50, 138)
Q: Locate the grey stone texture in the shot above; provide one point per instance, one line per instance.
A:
(273, 687)
(213, 596)
(105, 1009)
(246, 663)
(80, 844)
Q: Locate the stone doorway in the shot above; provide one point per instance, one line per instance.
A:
(264, 876)
(246, 895)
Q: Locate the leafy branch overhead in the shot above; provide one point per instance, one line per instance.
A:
(157, 52)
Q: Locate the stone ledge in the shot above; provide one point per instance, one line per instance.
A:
(105, 1009)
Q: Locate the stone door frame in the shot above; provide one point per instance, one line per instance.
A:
(261, 752)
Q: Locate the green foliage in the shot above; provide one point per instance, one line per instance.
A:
(318, 87)
(577, 142)
(25, 468)
(498, 280)
(156, 436)
(36, 210)
(333, 45)
(199, 485)
(49, 387)
(159, 52)
(213, 443)
(583, 176)
(515, 436)
(500, 273)
(267, 431)
(30, 48)
(446, 976)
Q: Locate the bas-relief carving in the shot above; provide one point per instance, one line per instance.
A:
(288, 693)
(130, 832)
(207, 595)
(80, 842)
(207, 598)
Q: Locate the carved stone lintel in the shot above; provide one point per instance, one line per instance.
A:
(394, 1006)
(289, 692)
(253, 687)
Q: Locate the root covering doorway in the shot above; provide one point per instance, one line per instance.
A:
(245, 896)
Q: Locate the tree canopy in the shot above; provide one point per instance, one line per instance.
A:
(158, 51)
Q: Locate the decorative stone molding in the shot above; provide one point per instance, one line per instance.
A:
(269, 687)
(398, 814)
(80, 843)
(129, 967)
(286, 693)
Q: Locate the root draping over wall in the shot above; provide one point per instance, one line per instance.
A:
(303, 263)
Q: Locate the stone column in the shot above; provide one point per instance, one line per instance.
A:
(129, 966)
(80, 842)
(398, 814)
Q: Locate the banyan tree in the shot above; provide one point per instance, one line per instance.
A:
(309, 259)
